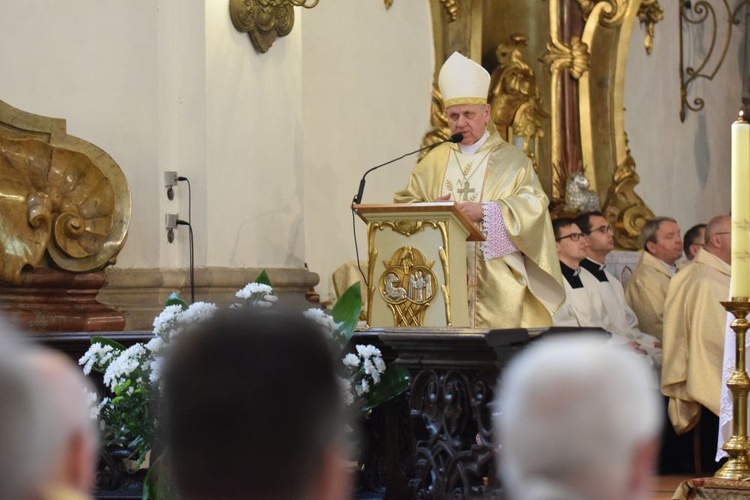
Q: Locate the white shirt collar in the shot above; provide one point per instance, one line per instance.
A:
(672, 269)
(473, 148)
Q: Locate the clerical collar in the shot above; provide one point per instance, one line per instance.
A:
(473, 148)
(594, 268)
(671, 269)
(571, 275)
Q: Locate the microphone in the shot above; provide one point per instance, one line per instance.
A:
(455, 138)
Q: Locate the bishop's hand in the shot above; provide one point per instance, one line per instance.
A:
(472, 210)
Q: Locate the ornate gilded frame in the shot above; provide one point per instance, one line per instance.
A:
(574, 52)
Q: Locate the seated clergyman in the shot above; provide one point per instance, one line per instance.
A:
(647, 287)
(694, 325)
(583, 302)
(694, 240)
(622, 319)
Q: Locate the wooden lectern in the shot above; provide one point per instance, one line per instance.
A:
(417, 264)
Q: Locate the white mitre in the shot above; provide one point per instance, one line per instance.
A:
(462, 81)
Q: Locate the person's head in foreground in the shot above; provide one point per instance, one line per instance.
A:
(253, 409)
(49, 442)
(577, 419)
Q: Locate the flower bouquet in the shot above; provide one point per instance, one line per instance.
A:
(131, 376)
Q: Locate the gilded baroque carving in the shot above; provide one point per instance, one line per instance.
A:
(585, 131)
(440, 130)
(516, 105)
(624, 208)
(451, 8)
(63, 202)
(650, 13)
(575, 57)
(265, 20)
(609, 12)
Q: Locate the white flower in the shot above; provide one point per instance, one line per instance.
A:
(166, 319)
(93, 406)
(351, 360)
(362, 388)
(325, 321)
(96, 354)
(346, 389)
(156, 366)
(121, 367)
(252, 288)
(369, 367)
(379, 364)
(266, 301)
(367, 351)
(197, 313)
(155, 344)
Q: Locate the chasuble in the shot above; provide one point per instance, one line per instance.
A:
(646, 291)
(522, 288)
(694, 339)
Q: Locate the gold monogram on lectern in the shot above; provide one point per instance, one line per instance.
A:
(408, 285)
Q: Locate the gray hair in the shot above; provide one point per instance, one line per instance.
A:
(43, 405)
(21, 418)
(648, 232)
(570, 409)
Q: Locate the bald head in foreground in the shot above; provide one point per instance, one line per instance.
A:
(49, 442)
(577, 419)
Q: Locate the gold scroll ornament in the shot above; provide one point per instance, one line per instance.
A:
(64, 202)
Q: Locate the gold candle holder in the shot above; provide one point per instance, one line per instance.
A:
(738, 465)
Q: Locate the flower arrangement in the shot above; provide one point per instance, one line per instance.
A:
(131, 375)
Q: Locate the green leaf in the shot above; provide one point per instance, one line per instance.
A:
(121, 388)
(156, 483)
(393, 382)
(346, 310)
(175, 300)
(263, 278)
(104, 341)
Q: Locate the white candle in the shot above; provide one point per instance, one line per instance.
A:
(740, 209)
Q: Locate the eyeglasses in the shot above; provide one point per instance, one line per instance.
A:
(602, 229)
(572, 236)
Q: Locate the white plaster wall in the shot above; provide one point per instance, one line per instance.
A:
(684, 167)
(93, 62)
(171, 85)
(254, 168)
(367, 75)
(181, 94)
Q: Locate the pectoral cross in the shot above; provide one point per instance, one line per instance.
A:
(465, 191)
